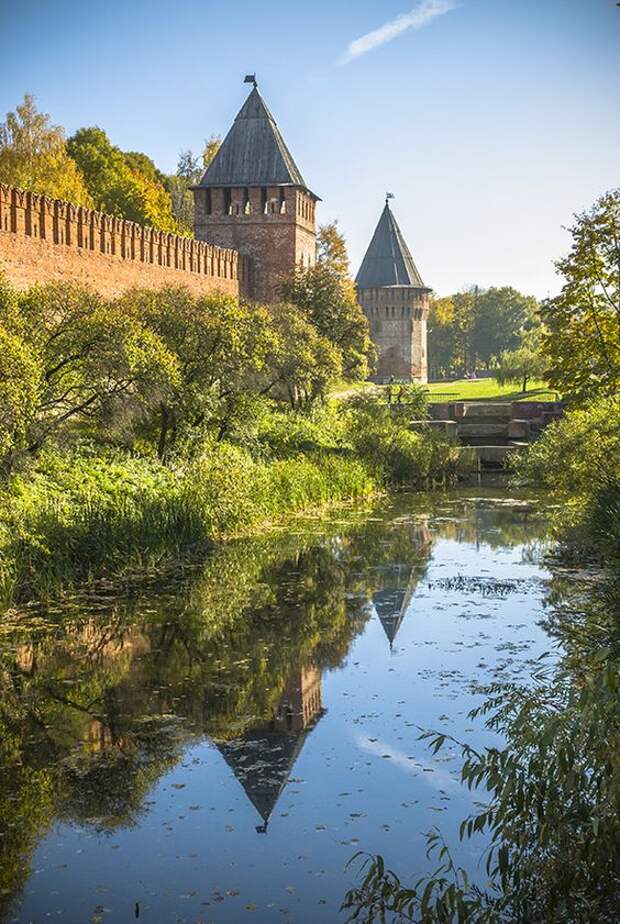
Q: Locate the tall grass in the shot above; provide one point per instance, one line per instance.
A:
(77, 518)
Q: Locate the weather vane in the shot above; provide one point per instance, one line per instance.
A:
(388, 196)
(250, 78)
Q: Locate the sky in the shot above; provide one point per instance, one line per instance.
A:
(491, 121)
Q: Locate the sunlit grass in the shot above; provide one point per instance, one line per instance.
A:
(489, 389)
(459, 390)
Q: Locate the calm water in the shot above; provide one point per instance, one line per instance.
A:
(218, 750)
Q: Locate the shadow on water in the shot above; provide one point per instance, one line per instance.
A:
(101, 698)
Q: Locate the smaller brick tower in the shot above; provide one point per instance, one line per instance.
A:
(252, 198)
(395, 301)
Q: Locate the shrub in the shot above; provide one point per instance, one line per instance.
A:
(578, 460)
(379, 433)
(283, 433)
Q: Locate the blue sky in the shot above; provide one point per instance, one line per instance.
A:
(492, 121)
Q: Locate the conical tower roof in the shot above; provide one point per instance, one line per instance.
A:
(262, 761)
(388, 261)
(391, 606)
(253, 152)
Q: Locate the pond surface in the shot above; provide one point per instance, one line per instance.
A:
(217, 750)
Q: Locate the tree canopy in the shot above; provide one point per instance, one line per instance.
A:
(474, 327)
(127, 185)
(520, 366)
(33, 155)
(190, 169)
(326, 294)
(500, 316)
(156, 366)
(582, 324)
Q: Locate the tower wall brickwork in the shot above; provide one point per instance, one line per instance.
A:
(397, 316)
(49, 240)
(274, 226)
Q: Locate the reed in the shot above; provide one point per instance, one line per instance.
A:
(76, 519)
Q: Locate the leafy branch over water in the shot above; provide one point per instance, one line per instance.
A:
(552, 809)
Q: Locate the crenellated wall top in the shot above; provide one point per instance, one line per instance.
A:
(58, 222)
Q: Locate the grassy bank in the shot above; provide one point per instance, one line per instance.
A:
(75, 517)
(84, 513)
(488, 390)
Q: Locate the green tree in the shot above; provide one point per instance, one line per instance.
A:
(303, 363)
(449, 339)
(20, 386)
(582, 324)
(33, 155)
(73, 356)
(126, 185)
(189, 173)
(329, 301)
(326, 294)
(523, 364)
(500, 317)
(221, 349)
(331, 249)
(442, 338)
(142, 164)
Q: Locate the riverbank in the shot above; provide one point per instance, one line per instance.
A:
(76, 518)
(92, 512)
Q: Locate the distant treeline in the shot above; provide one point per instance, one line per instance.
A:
(470, 330)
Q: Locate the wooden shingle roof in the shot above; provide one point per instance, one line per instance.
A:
(388, 261)
(253, 152)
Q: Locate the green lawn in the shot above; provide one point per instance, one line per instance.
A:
(460, 390)
(489, 390)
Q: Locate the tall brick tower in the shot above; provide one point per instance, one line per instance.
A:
(395, 301)
(253, 198)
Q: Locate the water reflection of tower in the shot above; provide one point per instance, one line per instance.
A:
(263, 758)
(397, 582)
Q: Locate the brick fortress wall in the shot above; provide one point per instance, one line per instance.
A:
(49, 240)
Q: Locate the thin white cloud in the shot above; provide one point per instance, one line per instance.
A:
(419, 16)
(440, 779)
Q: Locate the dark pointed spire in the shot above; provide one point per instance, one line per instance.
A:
(262, 761)
(391, 606)
(263, 758)
(253, 152)
(388, 261)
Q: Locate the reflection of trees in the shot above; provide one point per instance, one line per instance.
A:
(91, 698)
(98, 700)
(476, 517)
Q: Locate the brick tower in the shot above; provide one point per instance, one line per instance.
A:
(253, 199)
(395, 301)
